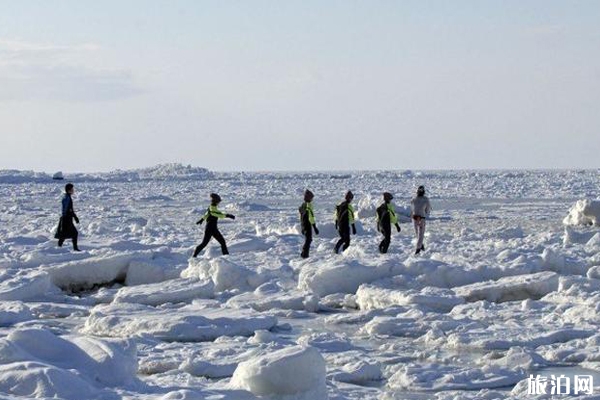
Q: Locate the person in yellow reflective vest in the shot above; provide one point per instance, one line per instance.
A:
(211, 217)
(307, 221)
(344, 219)
(386, 216)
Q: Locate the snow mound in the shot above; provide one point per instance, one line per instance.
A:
(358, 372)
(37, 363)
(188, 324)
(297, 371)
(572, 236)
(327, 342)
(435, 377)
(341, 277)
(511, 288)
(30, 286)
(378, 296)
(172, 291)
(83, 274)
(270, 296)
(225, 274)
(252, 207)
(131, 268)
(584, 212)
(12, 312)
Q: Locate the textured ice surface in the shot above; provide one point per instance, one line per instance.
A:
(503, 289)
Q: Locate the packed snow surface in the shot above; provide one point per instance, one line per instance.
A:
(508, 286)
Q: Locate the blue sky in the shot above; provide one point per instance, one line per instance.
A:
(299, 85)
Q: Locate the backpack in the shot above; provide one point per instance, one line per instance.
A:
(302, 210)
(340, 210)
(382, 211)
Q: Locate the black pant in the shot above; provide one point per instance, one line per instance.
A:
(307, 231)
(74, 237)
(344, 239)
(209, 233)
(387, 238)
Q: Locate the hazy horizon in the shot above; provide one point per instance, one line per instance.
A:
(289, 171)
(299, 86)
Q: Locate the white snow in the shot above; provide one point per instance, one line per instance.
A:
(187, 323)
(172, 291)
(374, 296)
(296, 371)
(503, 289)
(584, 212)
(511, 288)
(341, 277)
(37, 363)
(435, 377)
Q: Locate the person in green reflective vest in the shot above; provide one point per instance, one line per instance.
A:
(307, 221)
(211, 217)
(386, 217)
(344, 219)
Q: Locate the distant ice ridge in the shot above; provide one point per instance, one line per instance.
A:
(172, 171)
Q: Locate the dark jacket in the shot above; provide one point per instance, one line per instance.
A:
(66, 228)
(344, 216)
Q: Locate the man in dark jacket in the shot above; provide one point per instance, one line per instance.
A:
(344, 219)
(307, 220)
(66, 228)
(386, 216)
(211, 216)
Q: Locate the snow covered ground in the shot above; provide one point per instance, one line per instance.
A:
(508, 286)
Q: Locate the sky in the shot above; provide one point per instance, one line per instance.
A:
(299, 85)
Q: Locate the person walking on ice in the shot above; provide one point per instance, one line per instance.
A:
(66, 229)
(386, 216)
(420, 209)
(344, 219)
(211, 216)
(307, 220)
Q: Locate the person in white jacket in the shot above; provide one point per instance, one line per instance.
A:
(419, 210)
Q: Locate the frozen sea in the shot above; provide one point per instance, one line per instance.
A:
(508, 287)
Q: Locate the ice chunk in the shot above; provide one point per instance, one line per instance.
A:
(86, 273)
(37, 363)
(435, 377)
(511, 288)
(341, 277)
(190, 323)
(377, 295)
(225, 274)
(172, 291)
(33, 285)
(584, 212)
(296, 371)
(279, 299)
(12, 312)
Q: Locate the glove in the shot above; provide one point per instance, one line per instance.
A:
(200, 221)
(353, 229)
(316, 229)
(398, 227)
(336, 225)
(76, 219)
(230, 216)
